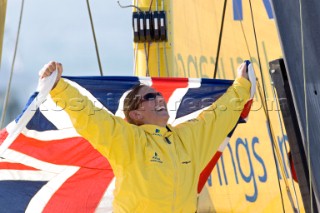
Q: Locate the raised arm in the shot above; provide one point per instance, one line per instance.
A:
(110, 135)
(214, 124)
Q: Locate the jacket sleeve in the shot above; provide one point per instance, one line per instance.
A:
(211, 127)
(112, 136)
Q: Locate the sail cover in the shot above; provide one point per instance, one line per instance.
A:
(49, 167)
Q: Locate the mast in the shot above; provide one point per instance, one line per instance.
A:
(154, 57)
(3, 8)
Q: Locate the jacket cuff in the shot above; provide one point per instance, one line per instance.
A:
(60, 87)
(243, 82)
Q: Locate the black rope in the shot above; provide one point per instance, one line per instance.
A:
(150, 5)
(128, 6)
(94, 38)
(265, 100)
(147, 57)
(148, 50)
(243, 33)
(245, 39)
(220, 39)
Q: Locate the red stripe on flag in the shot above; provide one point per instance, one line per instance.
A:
(3, 135)
(15, 166)
(80, 193)
(165, 86)
(207, 171)
(71, 151)
(246, 109)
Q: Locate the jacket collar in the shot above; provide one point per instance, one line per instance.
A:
(157, 130)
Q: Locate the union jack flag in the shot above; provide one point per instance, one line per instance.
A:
(46, 166)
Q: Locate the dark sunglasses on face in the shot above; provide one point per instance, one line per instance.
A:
(151, 96)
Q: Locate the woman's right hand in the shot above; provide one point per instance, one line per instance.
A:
(49, 68)
(242, 71)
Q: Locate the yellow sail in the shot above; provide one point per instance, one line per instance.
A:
(246, 179)
(3, 7)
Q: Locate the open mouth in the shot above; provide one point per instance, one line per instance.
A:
(160, 108)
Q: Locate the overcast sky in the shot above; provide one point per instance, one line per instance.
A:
(60, 30)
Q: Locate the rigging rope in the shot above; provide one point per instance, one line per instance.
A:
(165, 58)
(12, 68)
(145, 43)
(275, 97)
(127, 6)
(276, 148)
(245, 38)
(263, 104)
(306, 136)
(134, 58)
(94, 38)
(220, 39)
(136, 46)
(164, 45)
(273, 140)
(147, 59)
(158, 45)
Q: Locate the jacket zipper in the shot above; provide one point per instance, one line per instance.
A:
(175, 179)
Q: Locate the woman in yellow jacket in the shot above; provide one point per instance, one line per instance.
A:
(156, 166)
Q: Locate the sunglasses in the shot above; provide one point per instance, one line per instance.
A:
(151, 96)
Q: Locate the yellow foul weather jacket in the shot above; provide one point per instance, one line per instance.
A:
(157, 168)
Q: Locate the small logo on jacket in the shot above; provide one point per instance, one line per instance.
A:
(157, 132)
(156, 158)
(193, 120)
(186, 162)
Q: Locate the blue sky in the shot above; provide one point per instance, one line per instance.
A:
(60, 30)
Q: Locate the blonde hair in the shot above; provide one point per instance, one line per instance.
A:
(132, 102)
